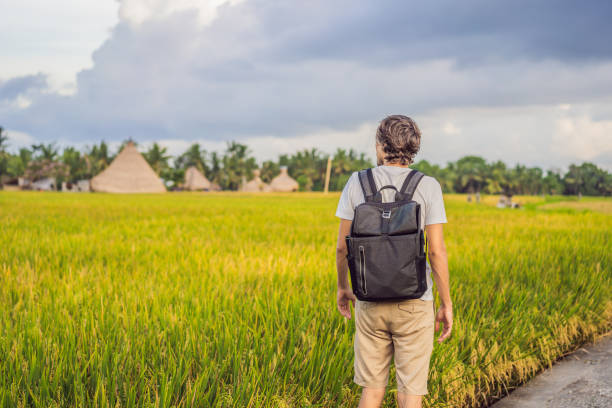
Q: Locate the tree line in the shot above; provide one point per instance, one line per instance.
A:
(469, 174)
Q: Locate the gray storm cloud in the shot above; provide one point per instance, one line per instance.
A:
(270, 69)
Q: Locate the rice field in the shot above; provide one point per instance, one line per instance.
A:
(228, 299)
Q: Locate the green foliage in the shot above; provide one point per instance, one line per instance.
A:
(343, 164)
(4, 156)
(587, 179)
(194, 156)
(47, 152)
(77, 164)
(269, 170)
(98, 158)
(469, 174)
(553, 182)
(157, 157)
(17, 163)
(45, 162)
(237, 164)
(307, 167)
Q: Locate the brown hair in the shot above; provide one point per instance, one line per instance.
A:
(400, 138)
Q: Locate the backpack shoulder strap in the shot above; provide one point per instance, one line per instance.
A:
(410, 184)
(368, 186)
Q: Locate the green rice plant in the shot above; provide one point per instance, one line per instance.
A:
(228, 300)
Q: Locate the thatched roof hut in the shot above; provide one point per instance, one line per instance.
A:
(214, 187)
(284, 182)
(195, 180)
(255, 185)
(128, 173)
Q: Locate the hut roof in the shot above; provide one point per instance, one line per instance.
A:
(128, 173)
(195, 180)
(284, 182)
(256, 184)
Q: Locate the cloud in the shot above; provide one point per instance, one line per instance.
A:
(18, 139)
(55, 37)
(534, 135)
(14, 87)
(584, 138)
(551, 136)
(485, 76)
(138, 11)
(359, 138)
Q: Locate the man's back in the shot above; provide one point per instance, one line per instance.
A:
(428, 193)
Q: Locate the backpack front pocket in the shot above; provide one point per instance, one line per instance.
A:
(362, 269)
(386, 266)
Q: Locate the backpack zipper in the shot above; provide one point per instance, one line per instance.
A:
(362, 267)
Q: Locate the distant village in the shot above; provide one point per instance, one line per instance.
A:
(130, 170)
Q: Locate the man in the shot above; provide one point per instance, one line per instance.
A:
(403, 330)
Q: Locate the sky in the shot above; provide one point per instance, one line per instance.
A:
(520, 81)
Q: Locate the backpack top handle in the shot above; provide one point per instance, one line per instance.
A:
(371, 193)
(378, 195)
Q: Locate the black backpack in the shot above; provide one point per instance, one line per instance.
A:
(386, 254)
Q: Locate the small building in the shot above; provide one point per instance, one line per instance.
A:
(255, 185)
(195, 180)
(214, 186)
(12, 183)
(44, 184)
(128, 173)
(83, 186)
(283, 182)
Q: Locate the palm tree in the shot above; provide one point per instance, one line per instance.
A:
(46, 152)
(97, 158)
(4, 156)
(553, 182)
(216, 175)
(18, 163)
(502, 180)
(157, 158)
(306, 167)
(269, 170)
(238, 165)
(194, 156)
(343, 164)
(3, 139)
(77, 165)
(45, 164)
(471, 174)
(573, 180)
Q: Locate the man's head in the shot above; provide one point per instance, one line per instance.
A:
(398, 139)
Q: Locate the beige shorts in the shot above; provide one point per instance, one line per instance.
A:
(404, 330)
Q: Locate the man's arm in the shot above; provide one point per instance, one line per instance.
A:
(345, 294)
(439, 265)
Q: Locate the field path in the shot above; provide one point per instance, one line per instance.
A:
(581, 379)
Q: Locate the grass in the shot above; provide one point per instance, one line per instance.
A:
(597, 204)
(228, 300)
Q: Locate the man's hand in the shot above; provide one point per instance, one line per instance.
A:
(344, 295)
(444, 315)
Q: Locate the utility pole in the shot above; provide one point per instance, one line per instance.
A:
(327, 174)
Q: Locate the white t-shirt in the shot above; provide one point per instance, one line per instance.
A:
(428, 193)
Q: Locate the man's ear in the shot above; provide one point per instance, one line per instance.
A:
(380, 154)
